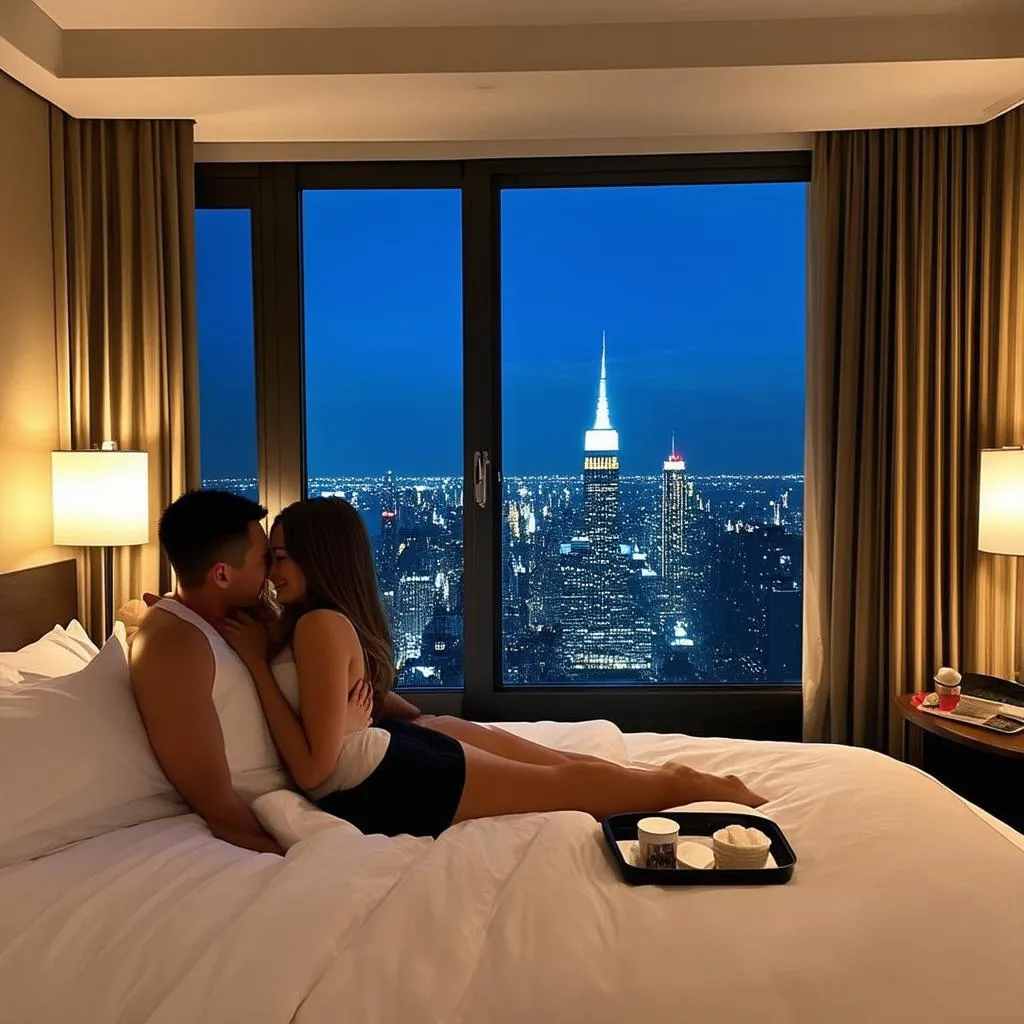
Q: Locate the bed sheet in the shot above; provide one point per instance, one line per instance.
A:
(525, 917)
(716, 755)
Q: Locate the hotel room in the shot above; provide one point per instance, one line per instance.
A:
(669, 359)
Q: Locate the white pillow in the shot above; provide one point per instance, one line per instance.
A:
(59, 653)
(77, 632)
(75, 761)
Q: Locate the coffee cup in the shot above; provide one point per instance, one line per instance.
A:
(657, 839)
(947, 688)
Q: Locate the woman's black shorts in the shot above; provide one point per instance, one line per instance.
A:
(415, 790)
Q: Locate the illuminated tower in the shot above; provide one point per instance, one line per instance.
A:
(415, 606)
(601, 476)
(673, 516)
(603, 632)
(387, 544)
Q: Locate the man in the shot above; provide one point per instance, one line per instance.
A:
(197, 702)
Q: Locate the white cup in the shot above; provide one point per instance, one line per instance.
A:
(657, 839)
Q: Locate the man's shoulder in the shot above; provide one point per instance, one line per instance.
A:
(159, 622)
(163, 636)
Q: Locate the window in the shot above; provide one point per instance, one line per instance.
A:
(227, 371)
(652, 349)
(382, 316)
(566, 397)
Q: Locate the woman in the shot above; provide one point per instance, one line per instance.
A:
(397, 776)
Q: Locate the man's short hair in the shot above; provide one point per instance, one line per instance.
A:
(203, 528)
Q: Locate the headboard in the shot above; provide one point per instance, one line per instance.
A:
(33, 600)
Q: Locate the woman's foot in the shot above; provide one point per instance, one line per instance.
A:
(693, 786)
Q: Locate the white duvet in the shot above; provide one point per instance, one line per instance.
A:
(901, 892)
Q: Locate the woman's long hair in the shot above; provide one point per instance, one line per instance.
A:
(328, 541)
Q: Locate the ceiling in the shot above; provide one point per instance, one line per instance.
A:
(419, 78)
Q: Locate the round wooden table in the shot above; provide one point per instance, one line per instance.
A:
(969, 735)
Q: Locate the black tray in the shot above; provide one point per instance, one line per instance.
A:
(694, 823)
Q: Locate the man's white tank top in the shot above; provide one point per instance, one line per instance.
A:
(252, 758)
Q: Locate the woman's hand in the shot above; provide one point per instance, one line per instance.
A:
(359, 712)
(247, 638)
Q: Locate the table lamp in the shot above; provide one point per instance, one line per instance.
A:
(1001, 502)
(101, 500)
(1001, 506)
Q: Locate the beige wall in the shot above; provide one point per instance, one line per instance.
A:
(28, 373)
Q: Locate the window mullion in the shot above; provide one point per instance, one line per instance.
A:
(482, 425)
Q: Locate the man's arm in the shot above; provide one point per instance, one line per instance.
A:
(393, 706)
(172, 671)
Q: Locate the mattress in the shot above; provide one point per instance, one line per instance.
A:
(524, 917)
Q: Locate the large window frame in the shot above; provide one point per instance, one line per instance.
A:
(273, 194)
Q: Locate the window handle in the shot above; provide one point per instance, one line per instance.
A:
(481, 471)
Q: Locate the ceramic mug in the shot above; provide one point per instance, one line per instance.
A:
(657, 839)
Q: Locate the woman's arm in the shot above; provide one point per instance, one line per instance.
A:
(286, 728)
(328, 658)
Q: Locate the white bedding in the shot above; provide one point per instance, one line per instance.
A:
(524, 918)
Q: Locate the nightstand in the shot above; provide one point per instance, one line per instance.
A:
(983, 766)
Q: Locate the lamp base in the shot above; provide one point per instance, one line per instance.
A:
(108, 595)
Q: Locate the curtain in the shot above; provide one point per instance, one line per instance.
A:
(123, 206)
(915, 362)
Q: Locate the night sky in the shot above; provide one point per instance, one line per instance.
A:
(700, 289)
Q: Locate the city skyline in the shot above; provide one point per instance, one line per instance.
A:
(606, 578)
(652, 376)
(583, 601)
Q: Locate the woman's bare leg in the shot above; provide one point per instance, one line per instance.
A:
(499, 741)
(495, 785)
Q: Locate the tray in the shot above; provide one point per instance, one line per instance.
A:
(622, 827)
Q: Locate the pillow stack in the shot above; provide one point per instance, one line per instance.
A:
(59, 653)
(74, 755)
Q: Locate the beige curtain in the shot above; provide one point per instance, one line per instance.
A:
(915, 362)
(123, 204)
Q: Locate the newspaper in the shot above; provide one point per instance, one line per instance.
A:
(977, 711)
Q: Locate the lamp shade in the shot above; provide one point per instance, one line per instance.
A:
(1001, 508)
(100, 498)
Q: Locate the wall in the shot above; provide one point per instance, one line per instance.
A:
(28, 371)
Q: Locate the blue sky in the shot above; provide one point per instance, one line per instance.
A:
(700, 289)
(227, 371)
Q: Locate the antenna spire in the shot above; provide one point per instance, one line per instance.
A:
(602, 421)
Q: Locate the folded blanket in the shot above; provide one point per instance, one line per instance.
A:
(289, 817)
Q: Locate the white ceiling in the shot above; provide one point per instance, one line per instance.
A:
(419, 78)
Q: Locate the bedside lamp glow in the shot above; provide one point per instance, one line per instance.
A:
(101, 499)
(1001, 506)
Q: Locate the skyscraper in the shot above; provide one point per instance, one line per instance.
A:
(785, 631)
(601, 475)
(387, 542)
(673, 516)
(387, 549)
(603, 630)
(415, 608)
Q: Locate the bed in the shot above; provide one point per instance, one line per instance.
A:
(901, 891)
